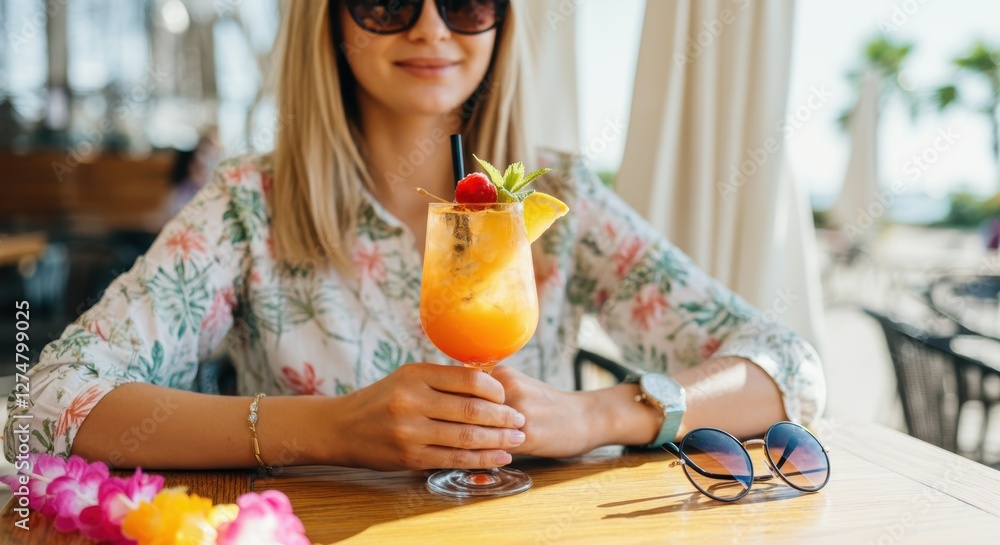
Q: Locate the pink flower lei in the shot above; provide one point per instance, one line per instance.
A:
(84, 497)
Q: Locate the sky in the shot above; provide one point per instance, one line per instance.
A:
(606, 68)
(829, 37)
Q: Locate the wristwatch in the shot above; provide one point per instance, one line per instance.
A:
(664, 394)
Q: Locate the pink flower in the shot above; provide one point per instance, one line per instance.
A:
(116, 499)
(305, 383)
(648, 306)
(81, 496)
(220, 314)
(264, 519)
(79, 408)
(270, 246)
(186, 242)
(628, 256)
(369, 263)
(67, 495)
(44, 470)
(237, 173)
(709, 347)
(602, 297)
(267, 183)
(546, 276)
(95, 328)
(610, 230)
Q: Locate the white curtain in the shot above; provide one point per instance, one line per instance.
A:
(704, 160)
(550, 30)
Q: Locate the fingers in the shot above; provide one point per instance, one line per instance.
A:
(432, 457)
(473, 410)
(469, 437)
(513, 382)
(505, 374)
(458, 380)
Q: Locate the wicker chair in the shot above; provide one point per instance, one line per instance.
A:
(216, 376)
(584, 358)
(935, 383)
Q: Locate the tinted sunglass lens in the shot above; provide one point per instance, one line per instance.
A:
(798, 456)
(384, 16)
(723, 468)
(472, 16)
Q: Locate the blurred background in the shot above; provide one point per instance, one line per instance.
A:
(836, 163)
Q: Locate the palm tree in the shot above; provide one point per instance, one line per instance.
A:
(982, 62)
(885, 57)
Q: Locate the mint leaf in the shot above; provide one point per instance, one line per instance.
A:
(531, 177)
(513, 175)
(512, 182)
(505, 197)
(491, 171)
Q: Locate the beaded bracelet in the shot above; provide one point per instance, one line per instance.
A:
(252, 419)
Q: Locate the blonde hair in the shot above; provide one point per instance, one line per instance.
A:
(319, 167)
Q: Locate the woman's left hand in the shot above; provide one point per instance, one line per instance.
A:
(558, 424)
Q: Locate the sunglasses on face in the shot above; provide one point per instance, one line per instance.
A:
(719, 466)
(394, 16)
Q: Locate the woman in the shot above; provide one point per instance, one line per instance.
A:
(307, 262)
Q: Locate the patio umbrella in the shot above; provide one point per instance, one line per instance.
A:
(860, 205)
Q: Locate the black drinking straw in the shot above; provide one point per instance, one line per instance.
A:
(457, 163)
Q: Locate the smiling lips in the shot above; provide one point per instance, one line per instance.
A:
(427, 67)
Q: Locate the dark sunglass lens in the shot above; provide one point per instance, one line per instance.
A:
(719, 466)
(471, 16)
(797, 456)
(384, 16)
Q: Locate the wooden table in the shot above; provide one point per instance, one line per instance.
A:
(886, 488)
(14, 248)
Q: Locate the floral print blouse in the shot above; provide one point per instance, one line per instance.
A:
(210, 281)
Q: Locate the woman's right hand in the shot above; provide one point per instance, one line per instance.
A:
(425, 416)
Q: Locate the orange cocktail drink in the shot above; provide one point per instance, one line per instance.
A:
(478, 302)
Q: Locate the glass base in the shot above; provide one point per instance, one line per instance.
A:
(478, 483)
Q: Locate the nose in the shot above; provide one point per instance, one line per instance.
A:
(430, 27)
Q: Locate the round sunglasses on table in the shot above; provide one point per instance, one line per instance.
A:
(394, 16)
(719, 465)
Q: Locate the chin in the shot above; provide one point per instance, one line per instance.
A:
(430, 105)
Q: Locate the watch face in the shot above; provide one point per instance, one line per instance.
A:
(667, 391)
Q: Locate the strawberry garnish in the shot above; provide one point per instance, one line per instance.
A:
(476, 188)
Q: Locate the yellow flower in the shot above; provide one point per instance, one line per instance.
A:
(177, 518)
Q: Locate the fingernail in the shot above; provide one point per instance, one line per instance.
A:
(518, 420)
(517, 437)
(502, 459)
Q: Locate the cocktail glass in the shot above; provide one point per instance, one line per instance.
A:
(478, 305)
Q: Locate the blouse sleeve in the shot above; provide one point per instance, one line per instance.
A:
(153, 324)
(665, 313)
